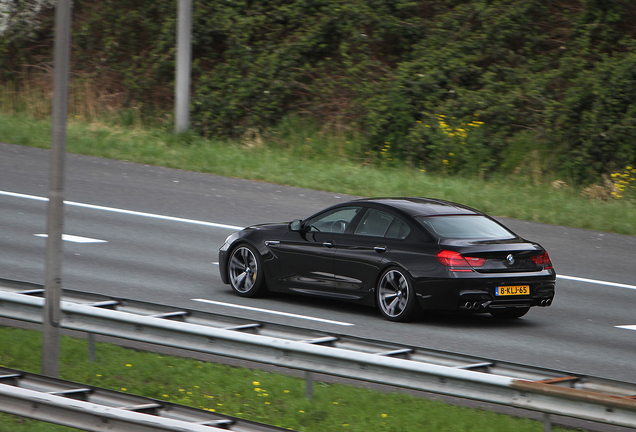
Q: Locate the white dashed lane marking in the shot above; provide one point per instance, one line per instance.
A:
(75, 239)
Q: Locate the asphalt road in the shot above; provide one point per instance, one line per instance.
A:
(151, 234)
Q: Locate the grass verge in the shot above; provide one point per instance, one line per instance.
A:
(255, 395)
(318, 163)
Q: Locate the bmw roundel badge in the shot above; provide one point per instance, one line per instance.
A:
(510, 259)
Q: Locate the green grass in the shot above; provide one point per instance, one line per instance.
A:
(311, 160)
(249, 394)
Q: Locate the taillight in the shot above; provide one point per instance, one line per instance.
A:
(458, 262)
(542, 260)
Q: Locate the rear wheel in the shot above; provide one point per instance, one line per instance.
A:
(511, 313)
(395, 296)
(245, 272)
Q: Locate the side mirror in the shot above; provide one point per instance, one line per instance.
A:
(296, 225)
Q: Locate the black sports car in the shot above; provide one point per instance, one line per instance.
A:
(401, 254)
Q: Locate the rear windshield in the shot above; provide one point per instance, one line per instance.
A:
(465, 227)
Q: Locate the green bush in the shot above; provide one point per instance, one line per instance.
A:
(552, 82)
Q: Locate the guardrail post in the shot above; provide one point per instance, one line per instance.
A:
(91, 347)
(547, 424)
(309, 385)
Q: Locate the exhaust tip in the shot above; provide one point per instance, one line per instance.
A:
(476, 305)
(468, 305)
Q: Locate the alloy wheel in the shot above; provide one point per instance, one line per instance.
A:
(393, 294)
(243, 269)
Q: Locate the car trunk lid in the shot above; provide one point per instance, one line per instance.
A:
(497, 256)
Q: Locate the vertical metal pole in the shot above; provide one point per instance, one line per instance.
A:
(91, 347)
(547, 423)
(55, 221)
(183, 66)
(309, 384)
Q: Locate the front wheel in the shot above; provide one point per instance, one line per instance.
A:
(511, 313)
(395, 296)
(245, 272)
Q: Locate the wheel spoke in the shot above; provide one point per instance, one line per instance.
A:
(391, 281)
(403, 285)
(387, 297)
(388, 303)
(238, 280)
(392, 306)
(245, 254)
(235, 263)
(402, 303)
(252, 266)
(249, 281)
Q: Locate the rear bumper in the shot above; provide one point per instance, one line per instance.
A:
(478, 292)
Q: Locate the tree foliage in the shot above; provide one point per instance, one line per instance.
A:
(473, 86)
(19, 18)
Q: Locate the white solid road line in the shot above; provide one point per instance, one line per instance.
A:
(75, 239)
(578, 279)
(128, 212)
(627, 327)
(274, 312)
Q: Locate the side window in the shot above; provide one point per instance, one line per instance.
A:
(377, 223)
(335, 221)
(398, 230)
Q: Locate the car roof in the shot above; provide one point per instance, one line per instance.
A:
(423, 206)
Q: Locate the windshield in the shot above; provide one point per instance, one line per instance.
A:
(465, 227)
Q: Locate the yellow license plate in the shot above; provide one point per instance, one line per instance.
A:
(512, 290)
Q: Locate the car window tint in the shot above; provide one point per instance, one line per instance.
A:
(335, 221)
(377, 223)
(398, 230)
(466, 227)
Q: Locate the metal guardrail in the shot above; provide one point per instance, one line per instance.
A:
(537, 389)
(96, 409)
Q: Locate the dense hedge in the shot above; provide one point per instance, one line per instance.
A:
(473, 86)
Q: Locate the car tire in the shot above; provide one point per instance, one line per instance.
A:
(245, 271)
(511, 313)
(395, 295)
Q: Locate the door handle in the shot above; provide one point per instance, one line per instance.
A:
(380, 249)
(272, 242)
(329, 244)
